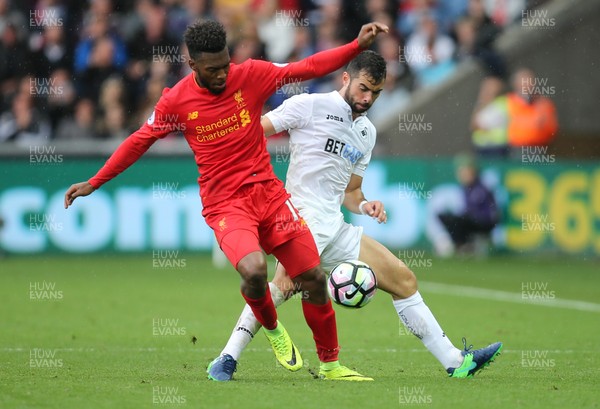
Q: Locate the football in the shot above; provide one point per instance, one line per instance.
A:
(352, 284)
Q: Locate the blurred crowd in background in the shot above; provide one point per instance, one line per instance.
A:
(73, 70)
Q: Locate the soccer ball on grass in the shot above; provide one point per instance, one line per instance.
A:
(352, 284)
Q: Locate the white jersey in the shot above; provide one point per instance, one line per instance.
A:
(326, 148)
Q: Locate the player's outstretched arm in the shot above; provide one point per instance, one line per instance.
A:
(327, 61)
(77, 190)
(354, 200)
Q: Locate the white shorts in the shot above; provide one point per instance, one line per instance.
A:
(336, 241)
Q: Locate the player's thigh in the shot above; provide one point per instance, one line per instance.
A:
(393, 276)
(298, 255)
(285, 234)
(236, 231)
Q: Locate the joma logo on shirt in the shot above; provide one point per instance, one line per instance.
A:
(334, 118)
(343, 149)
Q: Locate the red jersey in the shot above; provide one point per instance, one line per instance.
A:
(223, 130)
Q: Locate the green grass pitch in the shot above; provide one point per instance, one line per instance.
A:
(116, 332)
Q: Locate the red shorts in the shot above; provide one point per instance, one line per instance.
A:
(261, 215)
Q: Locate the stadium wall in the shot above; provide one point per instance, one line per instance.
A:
(547, 205)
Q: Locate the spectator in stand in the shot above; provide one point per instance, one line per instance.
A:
(13, 62)
(249, 45)
(101, 55)
(429, 53)
(80, 126)
(50, 51)
(392, 51)
(179, 15)
(504, 12)
(302, 47)
(469, 45)
(303, 44)
(114, 123)
(97, 39)
(195, 10)
(24, 124)
(96, 27)
(152, 38)
(523, 117)
(154, 89)
(355, 13)
(8, 15)
(159, 78)
(104, 8)
(61, 95)
(450, 11)
(113, 119)
(150, 41)
(275, 25)
(486, 29)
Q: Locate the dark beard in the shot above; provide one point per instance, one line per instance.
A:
(207, 86)
(352, 104)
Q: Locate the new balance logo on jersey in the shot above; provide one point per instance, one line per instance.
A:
(343, 149)
(335, 118)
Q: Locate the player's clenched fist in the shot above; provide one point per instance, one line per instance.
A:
(76, 190)
(368, 32)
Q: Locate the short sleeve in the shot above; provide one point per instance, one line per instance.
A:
(295, 112)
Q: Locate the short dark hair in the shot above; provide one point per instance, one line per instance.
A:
(205, 36)
(371, 63)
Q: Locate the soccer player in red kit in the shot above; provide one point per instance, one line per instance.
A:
(218, 106)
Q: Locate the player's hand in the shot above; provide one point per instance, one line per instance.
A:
(376, 210)
(76, 190)
(368, 32)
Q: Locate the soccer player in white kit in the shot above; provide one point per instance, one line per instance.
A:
(331, 141)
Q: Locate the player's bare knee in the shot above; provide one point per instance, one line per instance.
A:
(314, 275)
(405, 285)
(253, 270)
(410, 283)
(400, 282)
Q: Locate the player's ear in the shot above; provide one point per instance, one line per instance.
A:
(345, 79)
(192, 63)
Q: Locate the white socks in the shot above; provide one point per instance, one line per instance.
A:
(412, 311)
(419, 320)
(248, 325)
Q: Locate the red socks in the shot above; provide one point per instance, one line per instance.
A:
(321, 320)
(263, 309)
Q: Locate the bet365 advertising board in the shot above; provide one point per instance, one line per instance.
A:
(154, 205)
